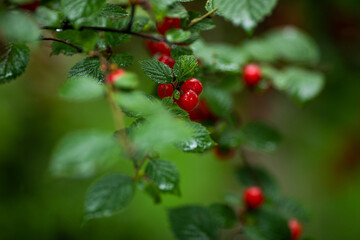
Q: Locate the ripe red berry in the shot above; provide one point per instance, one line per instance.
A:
(224, 153)
(192, 84)
(165, 90)
(252, 74)
(115, 75)
(167, 60)
(253, 197)
(30, 6)
(188, 101)
(295, 229)
(167, 24)
(201, 113)
(157, 47)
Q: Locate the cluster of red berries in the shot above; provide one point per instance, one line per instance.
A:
(254, 198)
(252, 75)
(189, 93)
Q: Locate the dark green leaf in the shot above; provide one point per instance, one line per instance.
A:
(84, 153)
(225, 215)
(193, 222)
(203, 25)
(290, 208)
(112, 11)
(164, 174)
(123, 59)
(75, 9)
(199, 142)
(157, 71)
(14, 58)
(82, 88)
(87, 67)
(108, 196)
(177, 51)
(185, 67)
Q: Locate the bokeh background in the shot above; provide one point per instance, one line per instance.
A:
(318, 162)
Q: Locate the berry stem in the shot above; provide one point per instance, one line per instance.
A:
(140, 165)
(79, 49)
(199, 19)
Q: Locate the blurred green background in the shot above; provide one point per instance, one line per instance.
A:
(318, 163)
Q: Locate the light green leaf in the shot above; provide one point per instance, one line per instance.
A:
(247, 13)
(112, 11)
(185, 67)
(84, 153)
(164, 174)
(47, 16)
(75, 9)
(82, 88)
(87, 67)
(157, 71)
(14, 58)
(108, 196)
(193, 222)
(177, 35)
(176, 10)
(200, 140)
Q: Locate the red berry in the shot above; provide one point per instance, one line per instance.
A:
(253, 197)
(157, 47)
(188, 101)
(192, 84)
(252, 74)
(165, 90)
(201, 113)
(167, 60)
(31, 6)
(167, 24)
(115, 75)
(295, 229)
(224, 153)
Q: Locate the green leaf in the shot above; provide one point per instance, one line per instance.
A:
(289, 208)
(176, 10)
(225, 216)
(300, 84)
(108, 196)
(199, 142)
(219, 100)
(123, 59)
(82, 88)
(177, 35)
(203, 25)
(247, 13)
(18, 26)
(259, 177)
(177, 51)
(164, 174)
(47, 16)
(185, 67)
(268, 226)
(87, 67)
(75, 9)
(112, 11)
(261, 137)
(138, 104)
(14, 58)
(129, 81)
(84, 153)
(157, 71)
(193, 222)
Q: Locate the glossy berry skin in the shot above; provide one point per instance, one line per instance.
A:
(165, 90)
(295, 229)
(253, 197)
(223, 153)
(252, 74)
(31, 6)
(157, 47)
(167, 24)
(188, 101)
(192, 84)
(167, 60)
(115, 75)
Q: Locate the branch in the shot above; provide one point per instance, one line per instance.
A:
(199, 19)
(79, 49)
(132, 14)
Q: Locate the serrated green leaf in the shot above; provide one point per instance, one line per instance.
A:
(18, 26)
(185, 67)
(247, 13)
(177, 51)
(260, 136)
(199, 142)
(47, 16)
(157, 71)
(164, 174)
(14, 58)
(123, 59)
(177, 35)
(259, 177)
(193, 222)
(87, 67)
(84, 153)
(75, 9)
(108, 196)
(224, 215)
(112, 11)
(82, 88)
(176, 10)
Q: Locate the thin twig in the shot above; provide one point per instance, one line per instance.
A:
(139, 166)
(79, 49)
(199, 19)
